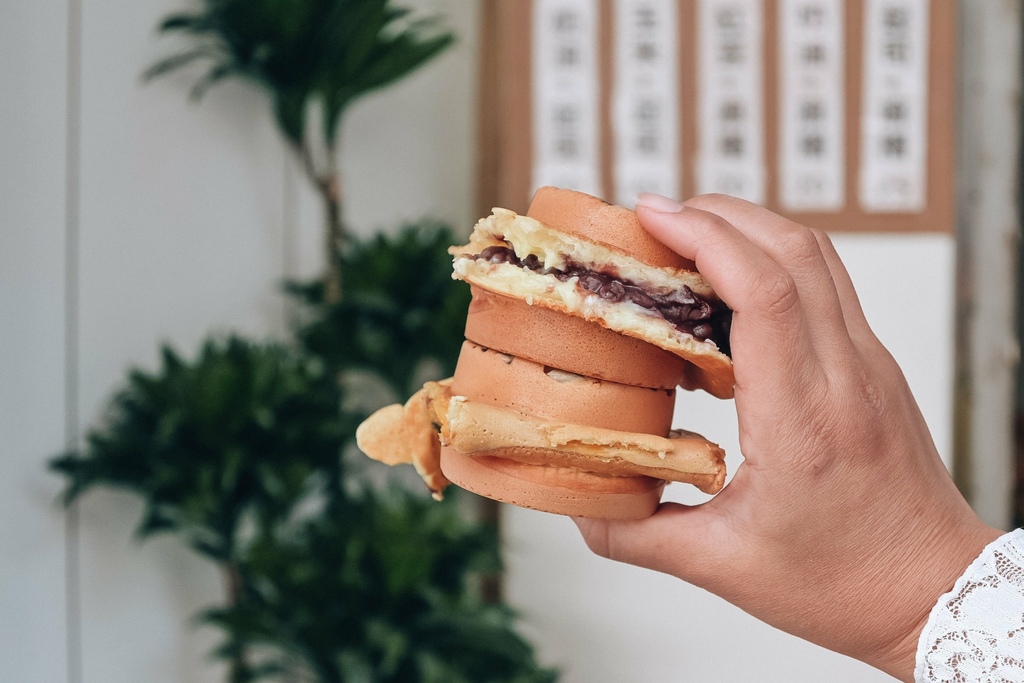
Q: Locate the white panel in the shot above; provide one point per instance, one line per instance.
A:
(894, 116)
(906, 286)
(730, 107)
(566, 140)
(811, 105)
(646, 99)
(181, 235)
(603, 621)
(33, 619)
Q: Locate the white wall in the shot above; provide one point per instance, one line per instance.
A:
(180, 220)
(33, 623)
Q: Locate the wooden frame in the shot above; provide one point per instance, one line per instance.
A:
(505, 114)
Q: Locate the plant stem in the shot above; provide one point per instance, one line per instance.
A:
(330, 191)
(328, 184)
(233, 579)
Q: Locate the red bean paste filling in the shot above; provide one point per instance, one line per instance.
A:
(686, 310)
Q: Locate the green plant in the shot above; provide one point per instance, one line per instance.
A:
(400, 307)
(238, 453)
(237, 438)
(312, 57)
(377, 591)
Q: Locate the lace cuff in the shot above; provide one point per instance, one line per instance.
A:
(975, 633)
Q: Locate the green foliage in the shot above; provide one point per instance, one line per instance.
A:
(239, 453)
(377, 591)
(328, 52)
(240, 436)
(399, 307)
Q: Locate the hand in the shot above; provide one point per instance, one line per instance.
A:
(842, 525)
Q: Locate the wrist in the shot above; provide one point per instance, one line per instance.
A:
(917, 585)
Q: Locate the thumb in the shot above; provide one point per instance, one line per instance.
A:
(676, 540)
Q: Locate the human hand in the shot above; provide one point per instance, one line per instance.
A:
(842, 525)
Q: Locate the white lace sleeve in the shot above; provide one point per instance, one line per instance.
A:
(975, 633)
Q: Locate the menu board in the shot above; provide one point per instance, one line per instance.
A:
(565, 103)
(894, 115)
(645, 103)
(812, 115)
(730, 98)
(838, 113)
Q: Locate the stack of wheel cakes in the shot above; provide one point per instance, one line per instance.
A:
(580, 329)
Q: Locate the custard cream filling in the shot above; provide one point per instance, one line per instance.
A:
(529, 236)
(625, 316)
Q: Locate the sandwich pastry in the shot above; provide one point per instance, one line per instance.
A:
(580, 329)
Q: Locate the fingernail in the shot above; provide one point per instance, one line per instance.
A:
(657, 202)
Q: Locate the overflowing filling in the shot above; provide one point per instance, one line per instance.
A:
(684, 309)
(413, 433)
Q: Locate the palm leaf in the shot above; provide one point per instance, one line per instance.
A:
(177, 61)
(303, 51)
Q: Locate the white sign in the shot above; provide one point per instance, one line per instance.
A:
(646, 99)
(730, 93)
(894, 120)
(566, 142)
(811, 107)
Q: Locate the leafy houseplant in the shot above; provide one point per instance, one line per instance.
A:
(314, 58)
(236, 438)
(375, 590)
(329, 579)
(398, 296)
(232, 442)
(239, 451)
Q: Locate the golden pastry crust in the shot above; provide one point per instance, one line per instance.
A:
(594, 219)
(559, 490)
(509, 325)
(506, 381)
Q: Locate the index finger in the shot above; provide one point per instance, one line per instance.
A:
(769, 331)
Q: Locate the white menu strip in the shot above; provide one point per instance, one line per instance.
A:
(645, 107)
(730, 93)
(811, 107)
(894, 118)
(566, 139)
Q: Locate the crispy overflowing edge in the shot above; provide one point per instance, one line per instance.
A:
(414, 433)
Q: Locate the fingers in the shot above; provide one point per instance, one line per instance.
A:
(799, 251)
(769, 330)
(856, 322)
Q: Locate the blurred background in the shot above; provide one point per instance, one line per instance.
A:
(222, 234)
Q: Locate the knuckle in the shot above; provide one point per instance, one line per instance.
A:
(859, 406)
(798, 244)
(713, 229)
(777, 292)
(820, 236)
